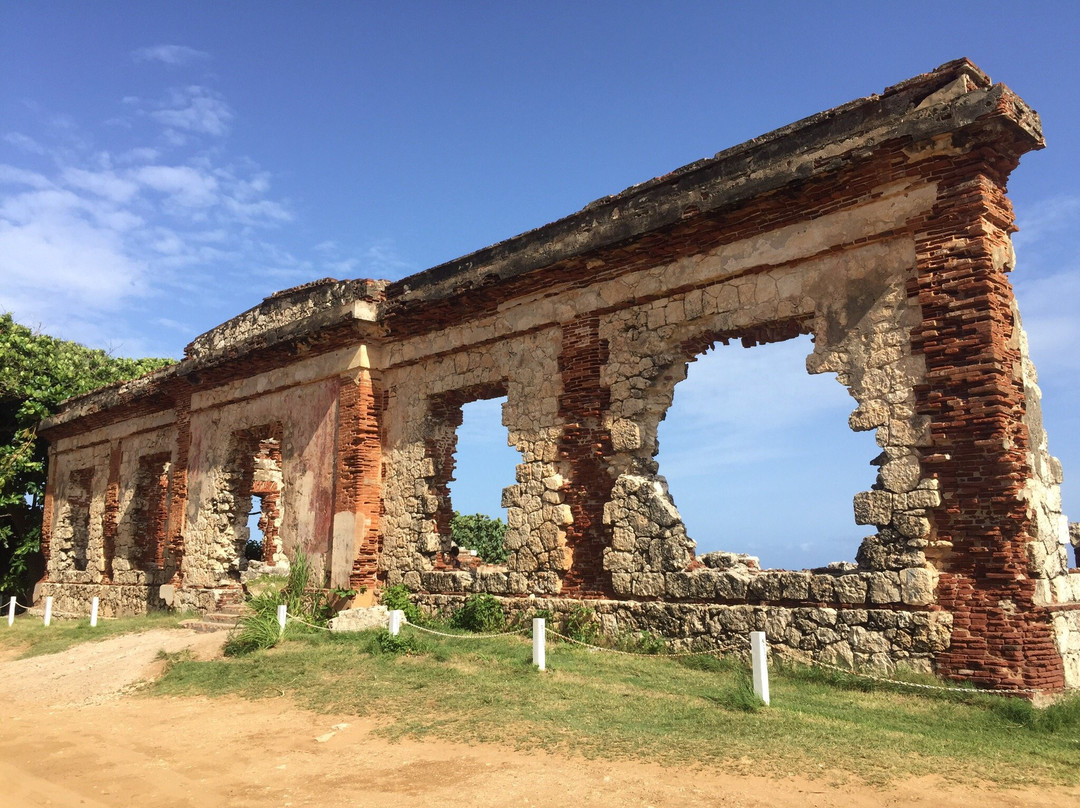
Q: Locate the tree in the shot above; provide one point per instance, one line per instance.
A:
(37, 372)
(481, 533)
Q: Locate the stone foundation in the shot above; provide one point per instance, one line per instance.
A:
(861, 639)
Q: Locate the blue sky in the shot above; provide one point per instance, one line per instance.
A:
(164, 166)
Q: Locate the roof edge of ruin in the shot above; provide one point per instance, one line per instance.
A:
(725, 178)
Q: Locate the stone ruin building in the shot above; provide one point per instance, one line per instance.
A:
(880, 228)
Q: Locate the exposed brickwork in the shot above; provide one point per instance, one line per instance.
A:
(974, 397)
(151, 511)
(178, 484)
(583, 446)
(48, 512)
(358, 473)
(112, 510)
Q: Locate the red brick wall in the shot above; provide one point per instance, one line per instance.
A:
(174, 550)
(111, 517)
(358, 473)
(584, 445)
(975, 399)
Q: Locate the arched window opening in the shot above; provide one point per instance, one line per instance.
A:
(759, 457)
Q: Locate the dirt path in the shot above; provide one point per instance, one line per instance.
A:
(70, 736)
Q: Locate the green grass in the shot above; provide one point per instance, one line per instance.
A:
(693, 711)
(30, 637)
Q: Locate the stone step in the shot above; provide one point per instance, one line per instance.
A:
(223, 619)
(203, 627)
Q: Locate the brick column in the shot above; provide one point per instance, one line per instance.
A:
(583, 446)
(111, 518)
(357, 539)
(174, 548)
(47, 512)
(974, 397)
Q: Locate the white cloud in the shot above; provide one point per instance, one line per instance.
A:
(103, 183)
(123, 230)
(766, 387)
(195, 109)
(51, 263)
(174, 55)
(27, 144)
(184, 185)
(1047, 284)
(13, 175)
(141, 154)
(263, 210)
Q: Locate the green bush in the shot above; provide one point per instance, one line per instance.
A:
(482, 613)
(397, 597)
(481, 533)
(581, 624)
(640, 642)
(388, 643)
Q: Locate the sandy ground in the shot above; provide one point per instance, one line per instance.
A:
(72, 735)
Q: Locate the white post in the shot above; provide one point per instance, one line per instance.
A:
(282, 616)
(11, 611)
(48, 610)
(761, 668)
(395, 621)
(539, 638)
(93, 612)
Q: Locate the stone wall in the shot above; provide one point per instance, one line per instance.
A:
(880, 229)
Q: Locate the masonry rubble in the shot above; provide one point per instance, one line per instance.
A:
(880, 228)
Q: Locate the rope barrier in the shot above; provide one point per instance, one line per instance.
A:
(54, 613)
(901, 683)
(466, 636)
(296, 619)
(813, 663)
(711, 652)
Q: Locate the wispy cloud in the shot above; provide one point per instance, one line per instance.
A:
(87, 232)
(1047, 284)
(195, 109)
(174, 55)
(379, 259)
(24, 142)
